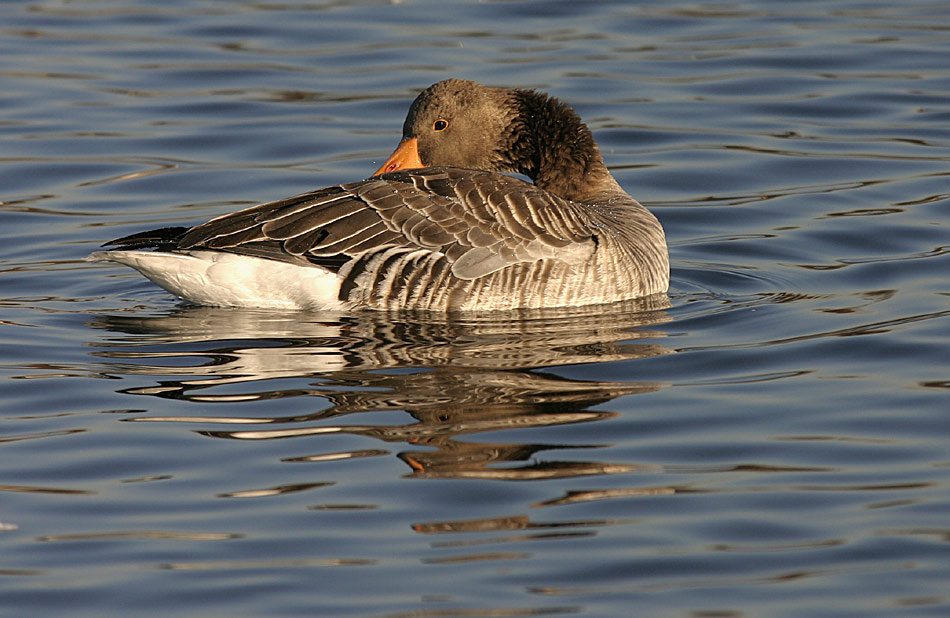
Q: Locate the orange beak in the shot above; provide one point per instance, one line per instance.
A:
(405, 157)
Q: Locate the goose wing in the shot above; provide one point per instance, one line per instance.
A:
(480, 221)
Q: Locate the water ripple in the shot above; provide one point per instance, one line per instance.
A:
(769, 439)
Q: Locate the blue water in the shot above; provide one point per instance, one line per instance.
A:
(771, 439)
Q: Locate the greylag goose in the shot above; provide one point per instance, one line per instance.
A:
(440, 226)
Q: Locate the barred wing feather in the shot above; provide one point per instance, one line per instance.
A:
(481, 222)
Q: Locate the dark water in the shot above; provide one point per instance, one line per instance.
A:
(772, 441)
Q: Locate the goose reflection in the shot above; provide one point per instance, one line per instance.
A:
(455, 376)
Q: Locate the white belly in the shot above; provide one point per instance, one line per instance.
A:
(231, 280)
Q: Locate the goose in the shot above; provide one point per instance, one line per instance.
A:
(443, 225)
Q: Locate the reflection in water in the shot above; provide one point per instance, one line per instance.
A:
(506, 524)
(141, 534)
(453, 375)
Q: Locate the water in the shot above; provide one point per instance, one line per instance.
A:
(771, 440)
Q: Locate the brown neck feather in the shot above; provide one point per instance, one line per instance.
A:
(551, 145)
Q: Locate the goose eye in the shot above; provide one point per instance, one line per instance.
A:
(440, 125)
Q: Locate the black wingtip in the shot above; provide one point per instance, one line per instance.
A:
(161, 238)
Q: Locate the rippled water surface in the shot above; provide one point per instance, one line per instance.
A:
(772, 439)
